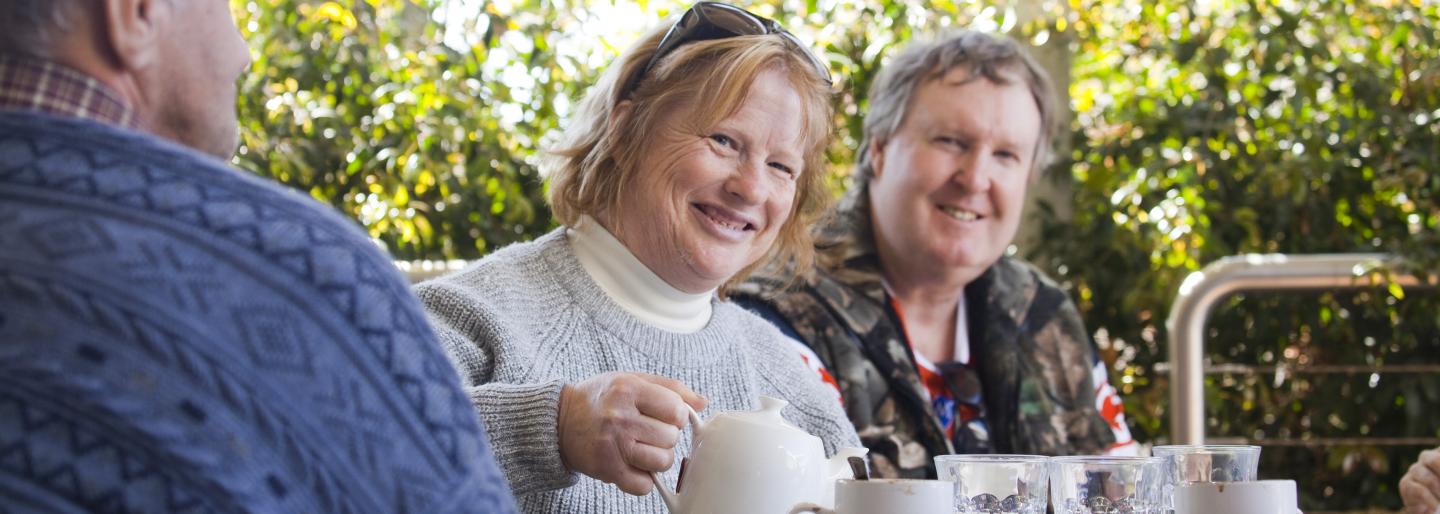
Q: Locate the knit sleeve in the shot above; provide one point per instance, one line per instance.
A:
(521, 419)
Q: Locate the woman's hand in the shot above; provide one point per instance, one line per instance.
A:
(1420, 488)
(619, 427)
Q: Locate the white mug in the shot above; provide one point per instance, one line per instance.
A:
(889, 496)
(1259, 497)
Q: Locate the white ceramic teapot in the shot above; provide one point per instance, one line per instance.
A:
(754, 462)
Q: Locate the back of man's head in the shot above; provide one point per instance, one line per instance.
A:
(174, 62)
(29, 27)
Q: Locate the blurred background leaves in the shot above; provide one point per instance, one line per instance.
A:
(1200, 129)
(1207, 129)
(365, 106)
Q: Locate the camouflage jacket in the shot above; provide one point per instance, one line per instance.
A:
(1031, 351)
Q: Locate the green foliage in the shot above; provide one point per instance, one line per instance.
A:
(1202, 129)
(427, 119)
(363, 106)
(1206, 129)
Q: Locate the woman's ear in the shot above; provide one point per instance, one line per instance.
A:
(621, 113)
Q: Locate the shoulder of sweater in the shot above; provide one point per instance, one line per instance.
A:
(780, 365)
(515, 274)
(517, 267)
(170, 164)
(768, 343)
(192, 188)
(755, 327)
(110, 146)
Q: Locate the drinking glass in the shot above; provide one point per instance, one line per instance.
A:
(1211, 463)
(1202, 464)
(1107, 485)
(997, 484)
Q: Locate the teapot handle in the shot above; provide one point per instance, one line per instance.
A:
(672, 500)
(671, 497)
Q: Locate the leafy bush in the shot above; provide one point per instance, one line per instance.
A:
(1206, 129)
(364, 106)
(426, 119)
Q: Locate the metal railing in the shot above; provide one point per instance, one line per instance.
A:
(1203, 289)
(419, 271)
(1197, 296)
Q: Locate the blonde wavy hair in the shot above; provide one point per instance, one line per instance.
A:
(600, 153)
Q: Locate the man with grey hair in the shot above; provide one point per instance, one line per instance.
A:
(170, 71)
(179, 336)
(937, 341)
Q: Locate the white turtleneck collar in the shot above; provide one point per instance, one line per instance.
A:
(631, 284)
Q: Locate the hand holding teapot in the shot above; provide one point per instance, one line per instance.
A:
(620, 428)
(747, 462)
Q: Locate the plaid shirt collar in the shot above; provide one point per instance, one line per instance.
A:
(39, 85)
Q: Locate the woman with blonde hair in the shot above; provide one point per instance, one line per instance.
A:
(694, 160)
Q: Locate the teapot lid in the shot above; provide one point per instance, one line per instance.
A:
(768, 415)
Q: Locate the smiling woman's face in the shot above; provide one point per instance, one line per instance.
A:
(705, 206)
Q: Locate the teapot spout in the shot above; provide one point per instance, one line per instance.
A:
(838, 466)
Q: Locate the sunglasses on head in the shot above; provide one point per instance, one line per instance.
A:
(706, 21)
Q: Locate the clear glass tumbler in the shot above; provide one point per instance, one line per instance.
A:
(1107, 485)
(1211, 463)
(997, 484)
(1203, 464)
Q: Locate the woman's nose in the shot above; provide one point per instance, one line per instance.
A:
(747, 183)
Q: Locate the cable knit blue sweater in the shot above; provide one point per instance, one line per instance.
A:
(178, 336)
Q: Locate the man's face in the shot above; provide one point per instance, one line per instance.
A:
(192, 89)
(949, 185)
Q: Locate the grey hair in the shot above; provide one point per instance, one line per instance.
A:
(30, 27)
(996, 58)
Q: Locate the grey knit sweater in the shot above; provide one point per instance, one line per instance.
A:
(528, 319)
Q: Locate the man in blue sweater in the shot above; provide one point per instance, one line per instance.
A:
(179, 336)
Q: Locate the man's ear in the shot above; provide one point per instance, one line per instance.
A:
(1037, 168)
(877, 158)
(135, 29)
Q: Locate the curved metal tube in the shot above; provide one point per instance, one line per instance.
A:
(419, 271)
(1199, 292)
(1202, 289)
